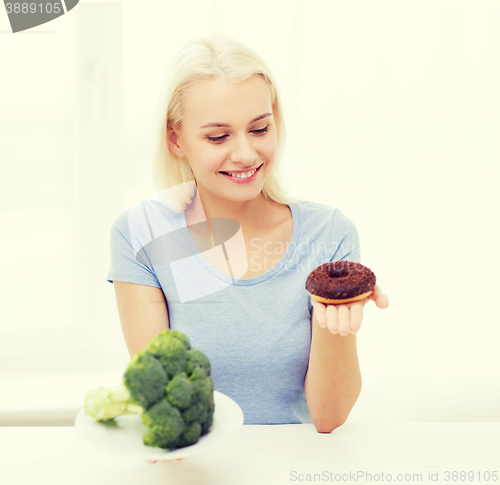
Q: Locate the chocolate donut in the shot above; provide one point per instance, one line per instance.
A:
(340, 282)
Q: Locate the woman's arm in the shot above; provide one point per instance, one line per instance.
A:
(333, 379)
(143, 313)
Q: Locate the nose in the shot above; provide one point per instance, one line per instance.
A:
(243, 151)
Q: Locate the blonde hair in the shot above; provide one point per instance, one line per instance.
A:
(201, 59)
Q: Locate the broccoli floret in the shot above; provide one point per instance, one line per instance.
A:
(146, 379)
(165, 425)
(203, 389)
(180, 336)
(170, 350)
(190, 435)
(201, 401)
(197, 359)
(143, 385)
(193, 413)
(198, 373)
(180, 391)
(207, 423)
(168, 384)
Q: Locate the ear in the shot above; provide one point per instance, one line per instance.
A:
(172, 141)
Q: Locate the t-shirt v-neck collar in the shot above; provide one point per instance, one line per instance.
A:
(256, 279)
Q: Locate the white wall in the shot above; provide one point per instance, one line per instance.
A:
(392, 116)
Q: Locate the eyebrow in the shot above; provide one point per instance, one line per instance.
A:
(208, 125)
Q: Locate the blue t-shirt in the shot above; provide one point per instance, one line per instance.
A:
(256, 331)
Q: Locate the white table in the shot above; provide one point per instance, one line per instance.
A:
(260, 455)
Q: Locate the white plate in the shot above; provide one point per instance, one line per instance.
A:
(125, 435)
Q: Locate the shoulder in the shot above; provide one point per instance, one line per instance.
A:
(313, 212)
(312, 209)
(147, 216)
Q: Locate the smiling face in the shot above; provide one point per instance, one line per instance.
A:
(241, 136)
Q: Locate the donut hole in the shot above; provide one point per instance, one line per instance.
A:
(337, 273)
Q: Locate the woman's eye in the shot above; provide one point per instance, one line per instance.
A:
(261, 131)
(216, 139)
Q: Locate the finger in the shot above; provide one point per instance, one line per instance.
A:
(332, 319)
(319, 312)
(380, 299)
(356, 316)
(344, 315)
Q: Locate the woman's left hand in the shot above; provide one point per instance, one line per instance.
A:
(345, 319)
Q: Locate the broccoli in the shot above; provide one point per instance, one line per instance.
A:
(169, 385)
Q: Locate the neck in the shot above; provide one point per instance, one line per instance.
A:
(249, 213)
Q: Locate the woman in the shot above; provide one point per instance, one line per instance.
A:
(224, 259)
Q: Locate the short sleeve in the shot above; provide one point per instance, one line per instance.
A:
(127, 264)
(344, 239)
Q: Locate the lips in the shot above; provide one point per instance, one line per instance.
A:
(258, 167)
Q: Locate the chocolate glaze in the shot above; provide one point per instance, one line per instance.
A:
(340, 280)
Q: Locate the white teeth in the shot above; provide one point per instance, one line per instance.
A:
(243, 175)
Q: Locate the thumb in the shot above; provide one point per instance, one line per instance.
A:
(381, 300)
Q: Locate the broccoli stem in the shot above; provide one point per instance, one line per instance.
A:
(109, 402)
